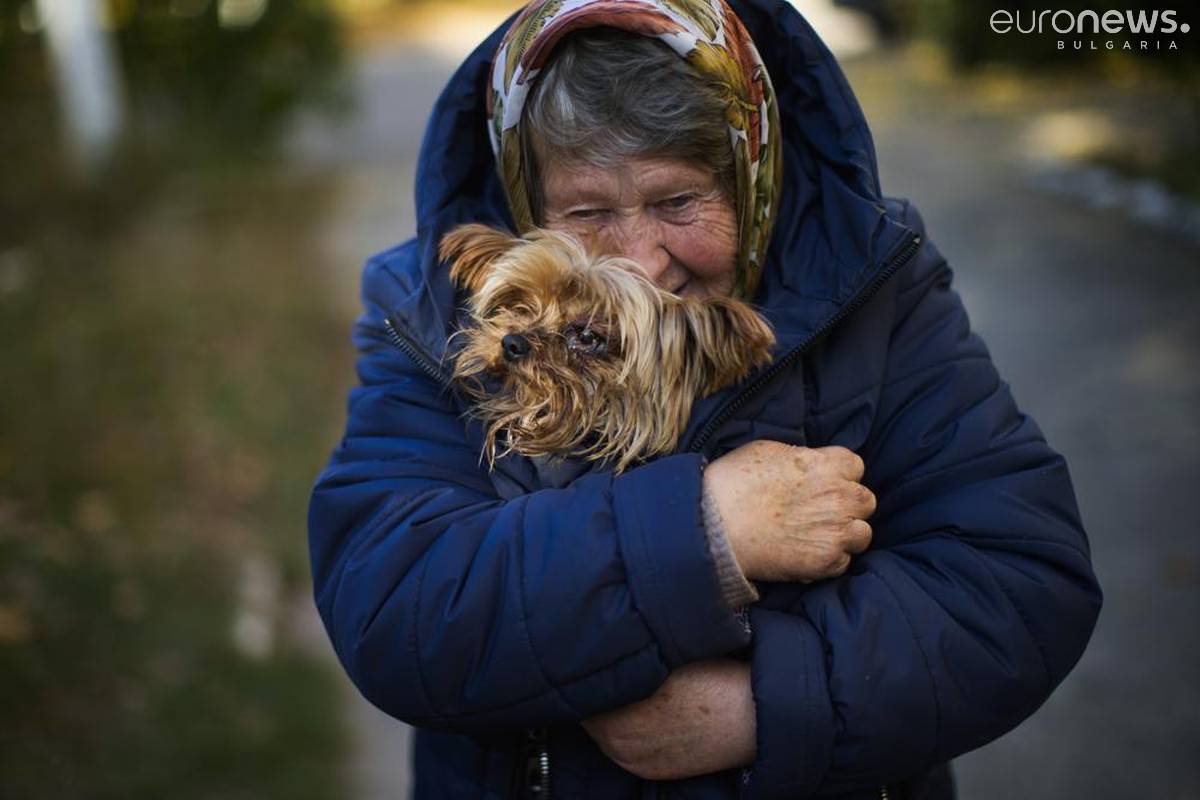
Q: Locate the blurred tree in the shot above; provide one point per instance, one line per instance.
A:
(201, 79)
(89, 96)
(222, 74)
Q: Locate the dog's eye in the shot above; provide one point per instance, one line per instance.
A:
(586, 341)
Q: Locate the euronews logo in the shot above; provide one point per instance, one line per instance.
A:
(1139, 29)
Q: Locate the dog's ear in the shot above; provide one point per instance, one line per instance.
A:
(729, 338)
(471, 249)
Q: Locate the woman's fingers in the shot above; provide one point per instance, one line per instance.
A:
(858, 536)
(860, 505)
(856, 500)
(839, 566)
(845, 462)
(855, 537)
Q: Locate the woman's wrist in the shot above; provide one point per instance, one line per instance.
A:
(735, 588)
(723, 487)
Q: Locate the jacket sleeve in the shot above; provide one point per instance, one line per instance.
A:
(977, 595)
(452, 608)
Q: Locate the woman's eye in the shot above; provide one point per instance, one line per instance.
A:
(677, 203)
(587, 214)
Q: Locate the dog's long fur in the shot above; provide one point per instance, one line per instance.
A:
(627, 398)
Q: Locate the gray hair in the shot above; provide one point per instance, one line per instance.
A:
(607, 96)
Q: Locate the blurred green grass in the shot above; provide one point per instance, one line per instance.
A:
(173, 385)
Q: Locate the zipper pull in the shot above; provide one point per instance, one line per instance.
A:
(537, 764)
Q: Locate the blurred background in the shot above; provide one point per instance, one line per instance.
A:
(189, 189)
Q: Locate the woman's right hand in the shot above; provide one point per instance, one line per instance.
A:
(791, 513)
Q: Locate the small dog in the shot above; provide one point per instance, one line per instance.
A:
(586, 356)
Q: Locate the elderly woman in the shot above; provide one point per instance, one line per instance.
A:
(722, 621)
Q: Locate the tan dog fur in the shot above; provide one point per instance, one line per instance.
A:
(604, 363)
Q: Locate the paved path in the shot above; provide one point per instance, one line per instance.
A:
(1092, 320)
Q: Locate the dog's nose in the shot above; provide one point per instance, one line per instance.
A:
(515, 347)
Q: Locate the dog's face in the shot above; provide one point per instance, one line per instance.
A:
(590, 357)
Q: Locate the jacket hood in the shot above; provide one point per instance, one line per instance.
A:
(832, 234)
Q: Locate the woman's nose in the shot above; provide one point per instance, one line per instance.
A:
(641, 240)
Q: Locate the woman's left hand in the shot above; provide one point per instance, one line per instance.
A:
(700, 720)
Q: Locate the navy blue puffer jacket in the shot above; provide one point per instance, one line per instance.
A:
(479, 606)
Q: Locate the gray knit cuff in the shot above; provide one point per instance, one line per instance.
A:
(735, 588)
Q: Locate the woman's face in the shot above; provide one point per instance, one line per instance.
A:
(669, 216)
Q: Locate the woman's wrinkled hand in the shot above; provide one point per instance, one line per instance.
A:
(700, 720)
(792, 513)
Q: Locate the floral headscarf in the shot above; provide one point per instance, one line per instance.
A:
(712, 39)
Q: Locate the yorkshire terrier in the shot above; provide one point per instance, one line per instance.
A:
(575, 353)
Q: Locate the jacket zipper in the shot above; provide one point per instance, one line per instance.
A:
(902, 256)
(410, 348)
(537, 763)
(537, 749)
